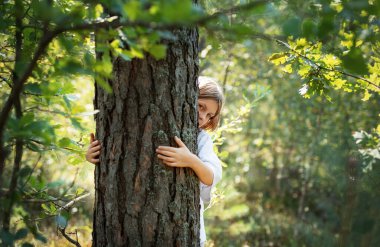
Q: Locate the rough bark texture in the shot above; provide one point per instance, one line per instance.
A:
(139, 201)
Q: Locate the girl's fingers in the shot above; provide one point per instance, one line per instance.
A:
(166, 158)
(94, 143)
(167, 153)
(92, 137)
(93, 155)
(166, 148)
(169, 163)
(94, 161)
(94, 149)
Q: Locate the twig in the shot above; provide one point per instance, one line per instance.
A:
(56, 147)
(30, 174)
(44, 201)
(63, 232)
(70, 203)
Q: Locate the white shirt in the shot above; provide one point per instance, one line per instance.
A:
(208, 157)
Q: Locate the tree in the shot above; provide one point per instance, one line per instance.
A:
(139, 201)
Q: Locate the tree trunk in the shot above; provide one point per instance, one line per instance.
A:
(139, 201)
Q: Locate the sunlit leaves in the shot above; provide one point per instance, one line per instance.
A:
(98, 10)
(323, 71)
(278, 58)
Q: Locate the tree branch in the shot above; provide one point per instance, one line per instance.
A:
(116, 23)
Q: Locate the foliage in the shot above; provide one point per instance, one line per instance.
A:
(294, 169)
(289, 161)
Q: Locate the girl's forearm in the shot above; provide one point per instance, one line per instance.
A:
(204, 173)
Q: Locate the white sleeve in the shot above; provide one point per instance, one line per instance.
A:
(207, 155)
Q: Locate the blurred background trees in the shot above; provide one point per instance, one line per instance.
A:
(299, 135)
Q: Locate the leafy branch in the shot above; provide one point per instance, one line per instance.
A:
(320, 67)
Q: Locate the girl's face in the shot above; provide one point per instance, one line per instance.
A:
(207, 109)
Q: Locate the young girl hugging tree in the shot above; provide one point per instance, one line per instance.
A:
(205, 164)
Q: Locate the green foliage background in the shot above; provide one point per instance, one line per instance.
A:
(300, 130)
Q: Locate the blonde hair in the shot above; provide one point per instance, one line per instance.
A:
(210, 89)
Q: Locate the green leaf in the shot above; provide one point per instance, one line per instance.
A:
(33, 88)
(309, 29)
(175, 11)
(158, 51)
(354, 62)
(26, 119)
(103, 83)
(76, 159)
(278, 58)
(325, 26)
(53, 209)
(292, 27)
(25, 171)
(40, 237)
(125, 55)
(76, 123)
(132, 8)
(67, 102)
(98, 10)
(45, 207)
(79, 191)
(55, 184)
(65, 142)
(37, 184)
(22, 233)
(33, 147)
(239, 29)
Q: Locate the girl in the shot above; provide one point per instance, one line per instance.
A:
(205, 164)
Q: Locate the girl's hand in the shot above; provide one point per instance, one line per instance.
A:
(175, 157)
(93, 150)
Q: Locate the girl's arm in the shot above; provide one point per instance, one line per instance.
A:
(182, 157)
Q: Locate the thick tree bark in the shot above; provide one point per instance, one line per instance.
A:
(139, 201)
